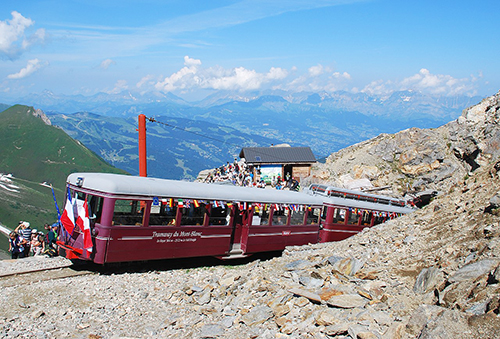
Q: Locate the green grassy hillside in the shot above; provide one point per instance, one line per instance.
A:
(34, 153)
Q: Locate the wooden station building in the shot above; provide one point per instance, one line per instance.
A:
(284, 161)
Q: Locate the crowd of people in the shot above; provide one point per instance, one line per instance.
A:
(25, 241)
(239, 174)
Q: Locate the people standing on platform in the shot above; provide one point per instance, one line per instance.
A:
(24, 230)
(16, 245)
(50, 237)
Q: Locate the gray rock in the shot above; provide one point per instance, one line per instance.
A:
(446, 324)
(257, 315)
(204, 298)
(427, 280)
(475, 270)
(337, 329)
(478, 308)
(211, 331)
(495, 201)
(228, 321)
(306, 294)
(420, 317)
(346, 266)
(347, 301)
(311, 283)
(298, 265)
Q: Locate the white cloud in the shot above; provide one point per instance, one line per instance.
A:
(189, 62)
(316, 78)
(318, 70)
(32, 66)
(12, 35)
(193, 76)
(425, 82)
(106, 63)
(120, 85)
(146, 80)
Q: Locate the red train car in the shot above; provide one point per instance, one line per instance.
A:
(118, 218)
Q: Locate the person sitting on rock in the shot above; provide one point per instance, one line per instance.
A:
(37, 243)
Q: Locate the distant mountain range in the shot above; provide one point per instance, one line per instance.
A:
(177, 148)
(207, 133)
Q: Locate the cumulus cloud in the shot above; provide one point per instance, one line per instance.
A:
(146, 80)
(319, 78)
(192, 76)
(318, 70)
(106, 63)
(32, 66)
(425, 82)
(120, 85)
(13, 40)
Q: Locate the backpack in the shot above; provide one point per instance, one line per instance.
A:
(51, 252)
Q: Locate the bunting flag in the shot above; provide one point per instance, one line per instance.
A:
(83, 222)
(180, 203)
(216, 203)
(171, 203)
(68, 216)
(196, 203)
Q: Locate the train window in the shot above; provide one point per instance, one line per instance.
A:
(165, 214)
(219, 215)
(353, 218)
(263, 213)
(313, 215)
(339, 216)
(95, 207)
(366, 220)
(193, 214)
(323, 212)
(297, 217)
(378, 219)
(280, 216)
(128, 212)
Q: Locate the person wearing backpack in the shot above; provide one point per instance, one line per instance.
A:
(16, 245)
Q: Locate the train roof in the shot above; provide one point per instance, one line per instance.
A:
(353, 192)
(135, 186)
(154, 187)
(337, 201)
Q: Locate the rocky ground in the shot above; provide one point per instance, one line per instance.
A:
(434, 273)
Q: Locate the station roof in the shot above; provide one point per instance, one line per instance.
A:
(278, 155)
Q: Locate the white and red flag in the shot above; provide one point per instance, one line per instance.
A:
(83, 222)
(68, 216)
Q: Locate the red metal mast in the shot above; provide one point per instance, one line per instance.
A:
(143, 166)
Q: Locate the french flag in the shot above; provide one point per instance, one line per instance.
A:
(83, 222)
(68, 216)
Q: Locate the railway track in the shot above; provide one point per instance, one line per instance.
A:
(42, 274)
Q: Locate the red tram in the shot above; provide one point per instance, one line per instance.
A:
(118, 218)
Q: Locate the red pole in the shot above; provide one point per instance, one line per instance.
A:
(143, 166)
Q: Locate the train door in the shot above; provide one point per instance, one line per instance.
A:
(238, 219)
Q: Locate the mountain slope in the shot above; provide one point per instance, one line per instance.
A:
(416, 160)
(35, 152)
(177, 148)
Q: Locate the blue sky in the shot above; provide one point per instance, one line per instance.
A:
(192, 48)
